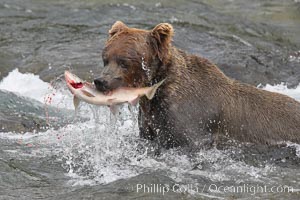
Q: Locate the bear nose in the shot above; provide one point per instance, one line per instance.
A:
(101, 85)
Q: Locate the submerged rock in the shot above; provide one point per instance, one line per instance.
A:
(20, 114)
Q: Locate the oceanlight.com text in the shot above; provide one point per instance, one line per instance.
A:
(213, 188)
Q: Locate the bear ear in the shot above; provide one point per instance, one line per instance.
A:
(117, 27)
(162, 35)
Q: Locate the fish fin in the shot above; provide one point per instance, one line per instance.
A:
(87, 93)
(114, 109)
(150, 94)
(135, 101)
(76, 102)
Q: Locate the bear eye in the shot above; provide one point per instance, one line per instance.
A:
(122, 64)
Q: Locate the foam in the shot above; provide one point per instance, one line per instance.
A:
(31, 86)
(283, 89)
(28, 85)
(104, 148)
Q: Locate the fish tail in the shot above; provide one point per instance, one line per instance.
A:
(150, 94)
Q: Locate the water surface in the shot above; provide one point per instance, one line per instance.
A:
(47, 153)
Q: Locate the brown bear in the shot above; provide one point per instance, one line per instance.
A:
(197, 104)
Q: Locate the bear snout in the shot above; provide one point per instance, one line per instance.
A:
(104, 85)
(101, 85)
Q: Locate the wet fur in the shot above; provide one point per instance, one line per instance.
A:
(197, 105)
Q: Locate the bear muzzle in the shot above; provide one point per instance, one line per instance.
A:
(104, 85)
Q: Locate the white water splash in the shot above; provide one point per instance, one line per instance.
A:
(296, 146)
(146, 69)
(105, 148)
(283, 89)
(28, 85)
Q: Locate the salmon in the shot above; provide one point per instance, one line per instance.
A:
(87, 92)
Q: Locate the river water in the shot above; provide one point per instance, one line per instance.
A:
(46, 152)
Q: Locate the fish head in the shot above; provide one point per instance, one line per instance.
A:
(73, 81)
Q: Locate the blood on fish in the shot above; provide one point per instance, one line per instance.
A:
(77, 85)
